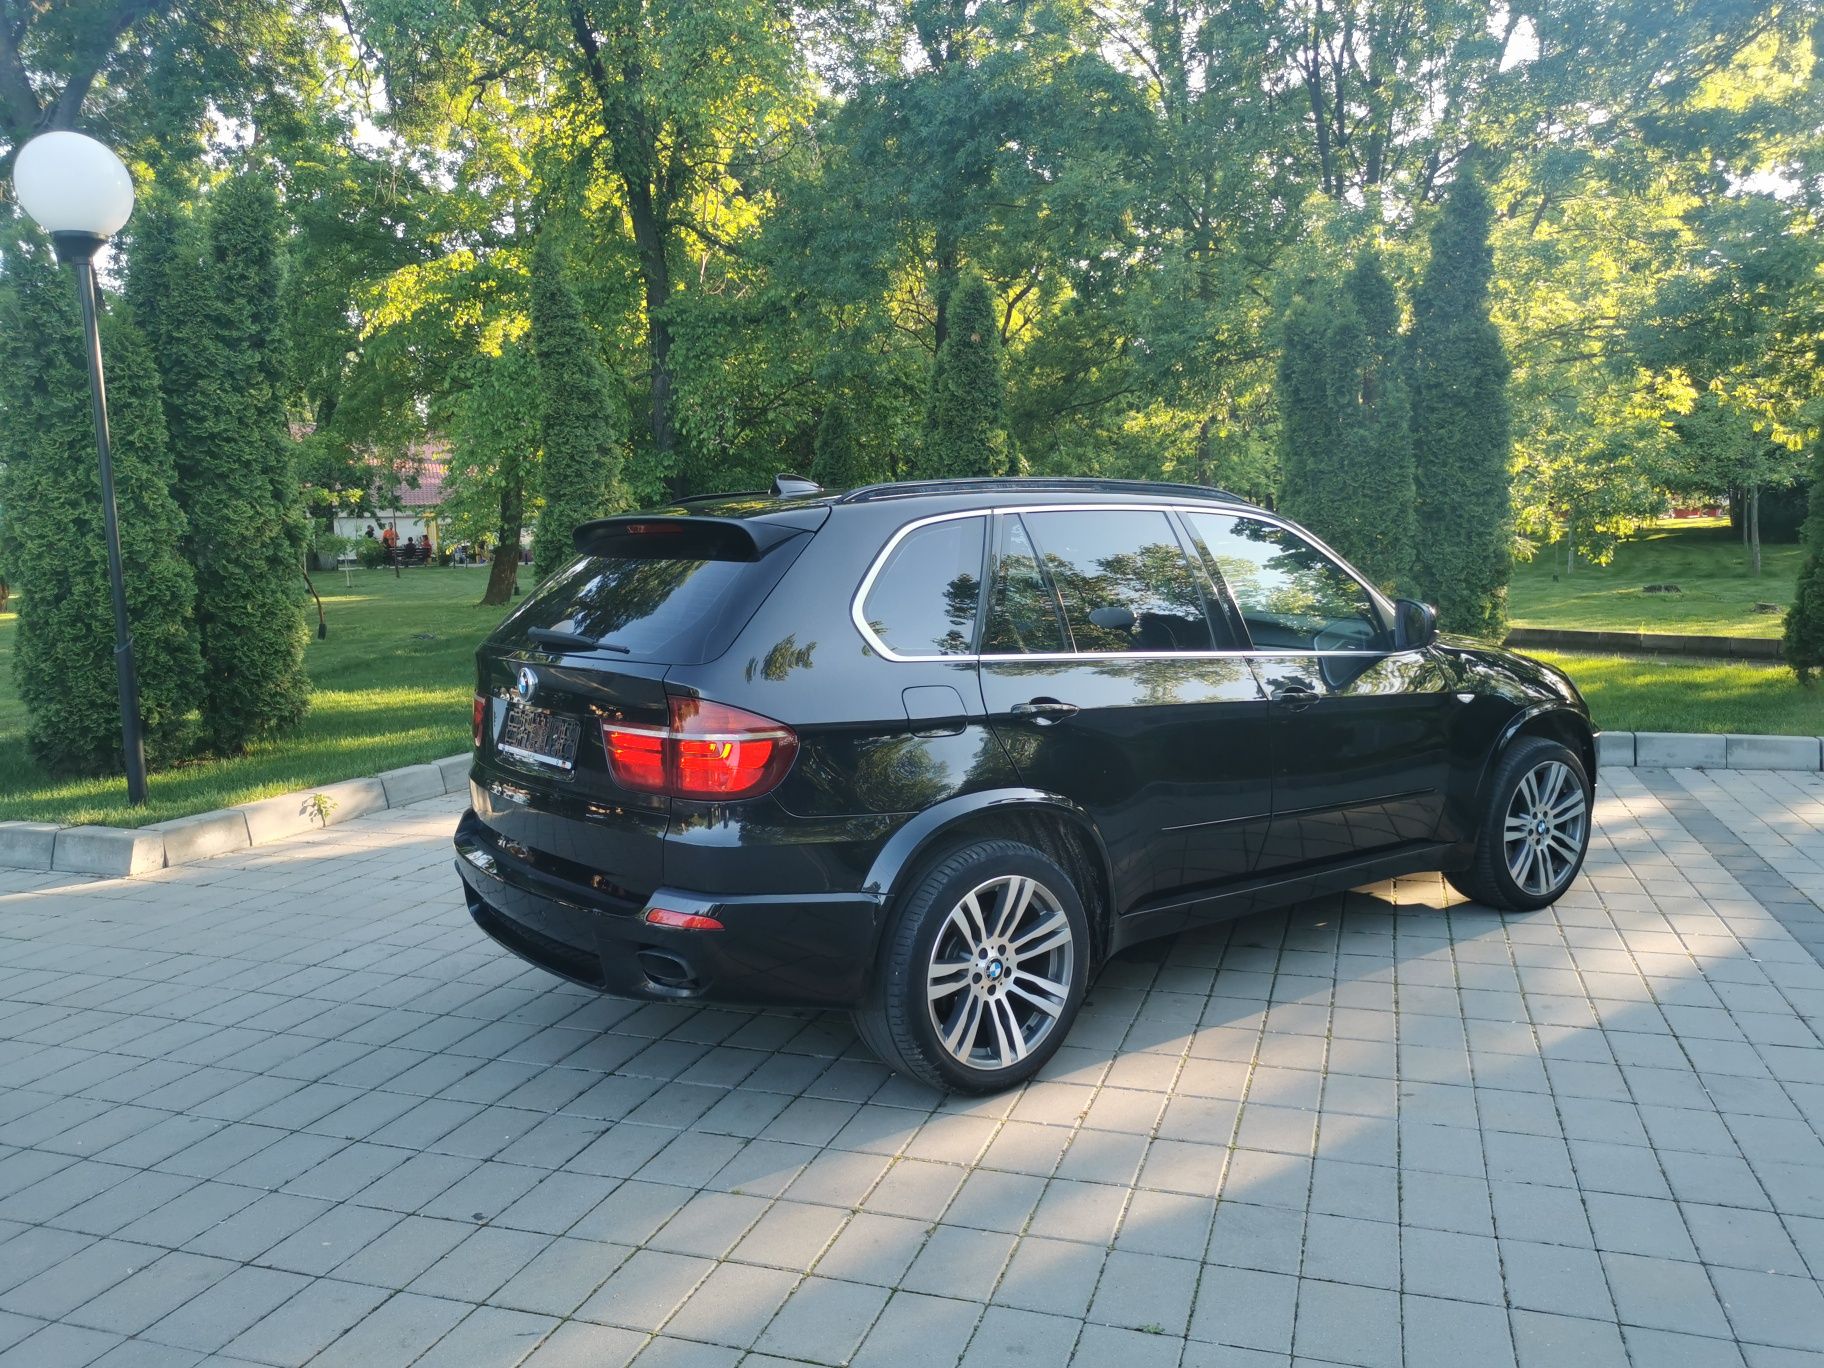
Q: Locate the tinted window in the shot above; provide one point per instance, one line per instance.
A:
(678, 610)
(925, 598)
(1291, 595)
(1123, 580)
(1022, 614)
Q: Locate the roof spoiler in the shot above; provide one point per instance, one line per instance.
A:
(643, 537)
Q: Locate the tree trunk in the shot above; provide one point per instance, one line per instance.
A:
(1570, 550)
(503, 575)
(1754, 529)
(949, 261)
(655, 274)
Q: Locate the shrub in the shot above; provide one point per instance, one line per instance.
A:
(1803, 644)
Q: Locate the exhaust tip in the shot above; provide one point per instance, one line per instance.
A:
(666, 970)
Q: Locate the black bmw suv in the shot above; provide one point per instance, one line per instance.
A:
(932, 752)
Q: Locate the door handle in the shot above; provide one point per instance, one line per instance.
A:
(1044, 711)
(1295, 697)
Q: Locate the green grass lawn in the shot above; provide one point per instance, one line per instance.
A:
(390, 686)
(1704, 559)
(1678, 694)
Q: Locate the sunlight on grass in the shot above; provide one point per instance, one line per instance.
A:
(1717, 594)
(391, 686)
(1671, 693)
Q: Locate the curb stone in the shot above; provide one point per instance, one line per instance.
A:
(409, 784)
(1680, 750)
(120, 852)
(123, 852)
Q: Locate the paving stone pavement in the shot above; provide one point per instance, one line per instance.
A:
(289, 1107)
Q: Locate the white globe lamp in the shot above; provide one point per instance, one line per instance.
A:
(78, 191)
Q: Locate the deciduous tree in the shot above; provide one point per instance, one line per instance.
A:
(492, 482)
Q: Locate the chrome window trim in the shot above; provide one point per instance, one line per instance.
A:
(885, 652)
(856, 616)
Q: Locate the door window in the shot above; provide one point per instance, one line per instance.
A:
(925, 599)
(1291, 595)
(1022, 611)
(1123, 581)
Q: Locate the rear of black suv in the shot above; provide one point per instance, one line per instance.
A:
(931, 752)
(682, 773)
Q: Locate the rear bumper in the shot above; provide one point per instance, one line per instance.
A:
(799, 950)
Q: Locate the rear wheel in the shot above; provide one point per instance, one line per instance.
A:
(1535, 831)
(982, 971)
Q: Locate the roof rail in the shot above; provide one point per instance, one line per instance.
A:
(1013, 484)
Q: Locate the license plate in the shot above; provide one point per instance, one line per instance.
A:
(543, 737)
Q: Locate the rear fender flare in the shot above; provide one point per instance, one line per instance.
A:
(907, 848)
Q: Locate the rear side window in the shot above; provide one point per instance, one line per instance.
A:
(676, 609)
(1124, 581)
(1022, 612)
(927, 593)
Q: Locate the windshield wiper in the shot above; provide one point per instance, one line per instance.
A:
(557, 636)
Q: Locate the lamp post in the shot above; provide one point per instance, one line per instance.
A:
(80, 193)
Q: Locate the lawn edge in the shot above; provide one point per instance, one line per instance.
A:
(128, 852)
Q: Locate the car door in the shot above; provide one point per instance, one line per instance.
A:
(1106, 680)
(1360, 732)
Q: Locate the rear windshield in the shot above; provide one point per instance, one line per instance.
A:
(673, 610)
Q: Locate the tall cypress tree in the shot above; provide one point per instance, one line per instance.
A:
(1804, 641)
(1461, 424)
(966, 430)
(205, 289)
(1309, 431)
(579, 424)
(51, 535)
(840, 462)
(1372, 475)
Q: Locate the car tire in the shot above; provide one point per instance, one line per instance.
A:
(1535, 830)
(981, 971)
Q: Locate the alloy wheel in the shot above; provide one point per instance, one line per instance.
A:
(1545, 829)
(1000, 972)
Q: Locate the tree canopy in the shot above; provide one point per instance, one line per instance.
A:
(771, 216)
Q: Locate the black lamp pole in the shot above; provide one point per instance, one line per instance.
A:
(78, 250)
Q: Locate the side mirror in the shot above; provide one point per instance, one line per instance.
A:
(1415, 625)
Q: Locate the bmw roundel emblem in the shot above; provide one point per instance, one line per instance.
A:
(528, 683)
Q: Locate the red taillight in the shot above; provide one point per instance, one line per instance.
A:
(681, 921)
(636, 758)
(481, 713)
(709, 751)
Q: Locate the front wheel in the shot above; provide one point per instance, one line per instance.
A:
(1535, 831)
(982, 971)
